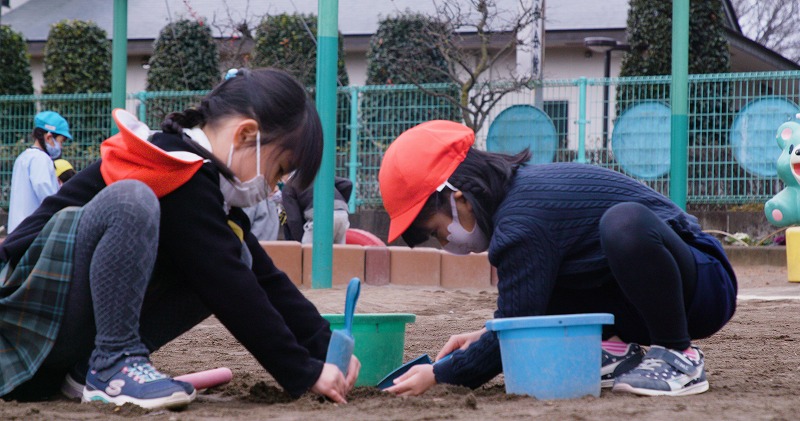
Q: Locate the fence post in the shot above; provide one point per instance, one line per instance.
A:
(354, 165)
(581, 121)
(679, 101)
(142, 108)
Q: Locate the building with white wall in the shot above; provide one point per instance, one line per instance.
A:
(567, 24)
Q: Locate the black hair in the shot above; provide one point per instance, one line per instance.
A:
(38, 137)
(280, 105)
(66, 175)
(484, 178)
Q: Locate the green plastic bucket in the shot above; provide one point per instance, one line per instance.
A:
(379, 342)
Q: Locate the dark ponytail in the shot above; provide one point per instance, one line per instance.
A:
(176, 122)
(280, 105)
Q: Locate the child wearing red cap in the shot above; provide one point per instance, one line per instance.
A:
(142, 245)
(565, 238)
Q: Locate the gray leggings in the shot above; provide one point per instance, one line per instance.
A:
(116, 306)
(115, 251)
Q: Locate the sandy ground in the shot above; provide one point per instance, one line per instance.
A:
(752, 365)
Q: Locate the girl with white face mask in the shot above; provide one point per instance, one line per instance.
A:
(565, 238)
(159, 223)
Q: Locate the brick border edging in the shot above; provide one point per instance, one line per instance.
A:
(420, 266)
(423, 266)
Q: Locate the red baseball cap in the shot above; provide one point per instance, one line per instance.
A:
(416, 164)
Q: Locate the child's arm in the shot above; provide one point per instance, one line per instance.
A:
(300, 315)
(197, 242)
(294, 215)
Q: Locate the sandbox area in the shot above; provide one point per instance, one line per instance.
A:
(752, 366)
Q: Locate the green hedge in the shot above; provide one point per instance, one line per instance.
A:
(400, 48)
(283, 41)
(15, 79)
(77, 59)
(185, 58)
(650, 39)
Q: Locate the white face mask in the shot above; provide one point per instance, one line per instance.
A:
(461, 241)
(243, 194)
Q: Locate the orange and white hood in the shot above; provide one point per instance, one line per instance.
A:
(130, 155)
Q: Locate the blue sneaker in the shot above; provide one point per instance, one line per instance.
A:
(615, 365)
(136, 381)
(665, 372)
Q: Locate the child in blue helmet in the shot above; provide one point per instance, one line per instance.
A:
(34, 176)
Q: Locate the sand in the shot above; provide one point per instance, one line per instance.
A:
(752, 366)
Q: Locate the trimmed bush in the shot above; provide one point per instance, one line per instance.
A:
(650, 38)
(16, 119)
(185, 58)
(283, 41)
(402, 47)
(15, 79)
(77, 60)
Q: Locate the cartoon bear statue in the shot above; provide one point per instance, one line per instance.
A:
(784, 209)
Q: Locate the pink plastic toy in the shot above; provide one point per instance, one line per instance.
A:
(207, 378)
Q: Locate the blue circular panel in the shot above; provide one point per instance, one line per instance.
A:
(523, 126)
(753, 134)
(641, 138)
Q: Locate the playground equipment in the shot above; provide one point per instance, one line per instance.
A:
(784, 209)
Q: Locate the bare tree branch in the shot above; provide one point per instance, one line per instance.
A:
(772, 23)
(479, 37)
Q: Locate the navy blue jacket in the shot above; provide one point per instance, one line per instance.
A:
(546, 234)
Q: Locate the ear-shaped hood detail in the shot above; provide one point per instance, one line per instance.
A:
(129, 155)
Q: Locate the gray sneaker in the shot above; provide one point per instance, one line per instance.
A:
(614, 365)
(665, 372)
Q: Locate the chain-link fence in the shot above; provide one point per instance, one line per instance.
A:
(619, 123)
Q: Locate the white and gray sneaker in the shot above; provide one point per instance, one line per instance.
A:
(615, 365)
(665, 372)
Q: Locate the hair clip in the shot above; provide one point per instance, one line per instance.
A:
(231, 74)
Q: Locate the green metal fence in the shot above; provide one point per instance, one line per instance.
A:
(732, 123)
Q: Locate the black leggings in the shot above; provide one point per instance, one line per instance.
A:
(655, 278)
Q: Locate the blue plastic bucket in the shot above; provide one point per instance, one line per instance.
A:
(551, 357)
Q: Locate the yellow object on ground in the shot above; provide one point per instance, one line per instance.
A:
(793, 253)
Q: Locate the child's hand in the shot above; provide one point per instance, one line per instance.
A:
(332, 384)
(461, 341)
(352, 372)
(413, 382)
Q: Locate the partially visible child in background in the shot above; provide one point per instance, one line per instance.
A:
(64, 170)
(299, 206)
(34, 177)
(264, 220)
